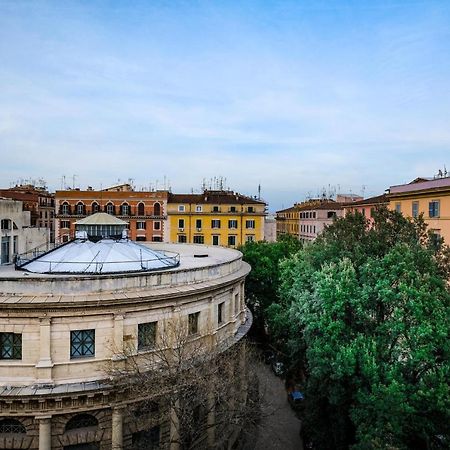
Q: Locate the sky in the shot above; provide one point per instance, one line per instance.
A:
(295, 96)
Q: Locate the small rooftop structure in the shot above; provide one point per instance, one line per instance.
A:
(101, 245)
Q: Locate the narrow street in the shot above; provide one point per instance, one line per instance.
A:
(279, 428)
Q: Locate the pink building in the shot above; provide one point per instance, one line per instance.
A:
(367, 206)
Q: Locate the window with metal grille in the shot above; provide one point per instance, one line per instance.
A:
(81, 421)
(182, 238)
(10, 346)
(146, 335)
(82, 343)
(11, 426)
(193, 323)
(433, 208)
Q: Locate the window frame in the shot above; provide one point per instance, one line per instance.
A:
(193, 323)
(433, 212)
(86, 345)
(15, 350)
(220, 313)
(144, 342)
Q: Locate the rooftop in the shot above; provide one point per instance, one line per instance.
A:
(421, 184)
(214, 197)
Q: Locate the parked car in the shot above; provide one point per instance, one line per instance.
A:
(278, 368)
(295, 399)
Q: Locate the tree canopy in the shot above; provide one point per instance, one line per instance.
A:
(365, 311)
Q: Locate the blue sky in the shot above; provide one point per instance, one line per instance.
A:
(295, 95)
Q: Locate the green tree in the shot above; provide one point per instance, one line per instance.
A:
(261, 286)
(366, 311)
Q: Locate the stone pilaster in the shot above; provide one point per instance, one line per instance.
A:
(45, 363)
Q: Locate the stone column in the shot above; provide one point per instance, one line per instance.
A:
(117, 429)
(174, 427)
(45, 432)
(45, 364)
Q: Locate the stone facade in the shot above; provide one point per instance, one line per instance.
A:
(51, 399)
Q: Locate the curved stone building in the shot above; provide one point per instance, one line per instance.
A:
(59, 332)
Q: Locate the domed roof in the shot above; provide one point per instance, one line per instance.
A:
(83, 256)
(100, 246)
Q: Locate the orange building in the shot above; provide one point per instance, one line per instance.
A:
(145, 211)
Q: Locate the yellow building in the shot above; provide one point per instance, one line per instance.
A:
(215, 218)
(430, 197)
(288, 221)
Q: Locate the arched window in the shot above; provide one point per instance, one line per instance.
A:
(79, 209)
(11, 426)
(95, 207)
(125, 209)
(81, 421)
(141, 209)
(109, 208)
(157, 209)
(65, 208)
